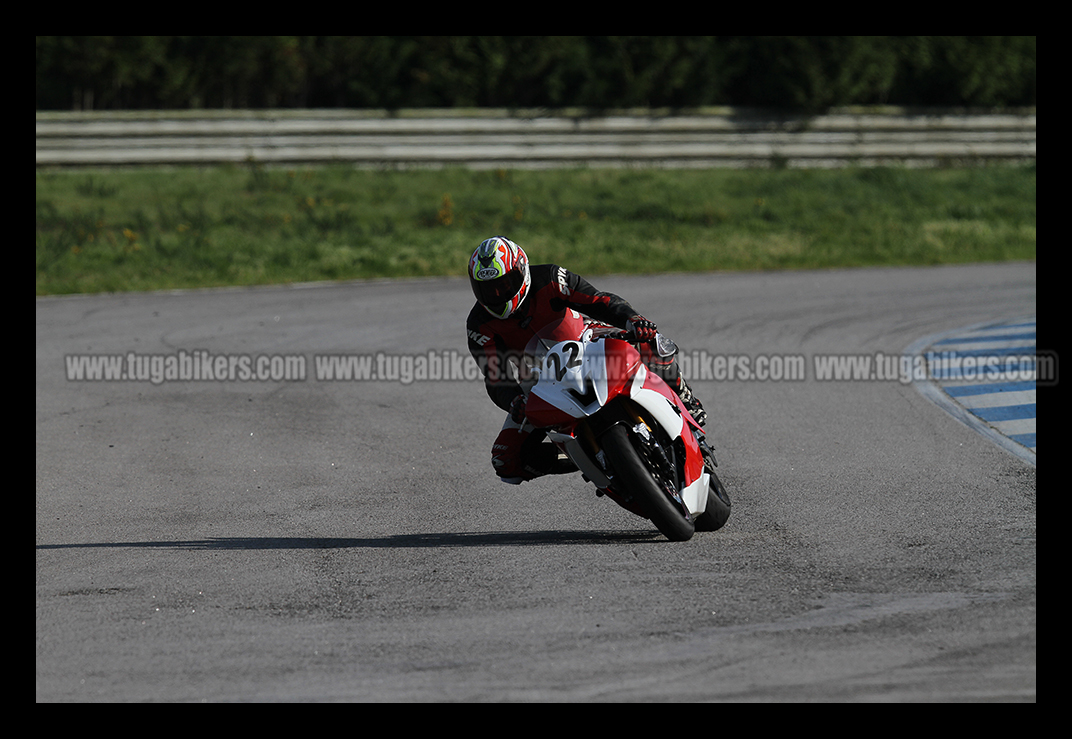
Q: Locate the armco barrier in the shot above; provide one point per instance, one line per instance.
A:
(490, 139)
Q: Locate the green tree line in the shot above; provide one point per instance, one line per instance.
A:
(802, 73)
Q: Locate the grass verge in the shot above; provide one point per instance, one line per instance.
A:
(113, 231)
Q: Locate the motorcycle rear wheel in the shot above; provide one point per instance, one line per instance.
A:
(717, 511)
(635, 480)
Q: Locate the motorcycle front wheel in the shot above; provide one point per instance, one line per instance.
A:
(633, 479)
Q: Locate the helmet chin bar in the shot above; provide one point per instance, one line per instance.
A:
(508, 308)
(503, 312)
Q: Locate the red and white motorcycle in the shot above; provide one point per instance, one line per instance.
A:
(623, 427)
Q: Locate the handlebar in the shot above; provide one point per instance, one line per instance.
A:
(661, 344)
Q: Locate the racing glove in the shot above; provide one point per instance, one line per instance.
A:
(642, 327)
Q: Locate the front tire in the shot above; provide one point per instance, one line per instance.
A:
(633, 479)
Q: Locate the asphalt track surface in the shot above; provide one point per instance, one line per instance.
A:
(347, 541)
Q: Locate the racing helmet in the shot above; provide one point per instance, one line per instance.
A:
(499, 276)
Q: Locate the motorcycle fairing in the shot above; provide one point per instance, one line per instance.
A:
(573, 376)
(577, 379)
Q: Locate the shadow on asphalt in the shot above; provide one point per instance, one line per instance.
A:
(416, 541)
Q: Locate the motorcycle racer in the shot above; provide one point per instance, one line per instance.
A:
(514, 300)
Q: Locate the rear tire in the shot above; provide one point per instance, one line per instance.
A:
(717, 511)
(633, 479)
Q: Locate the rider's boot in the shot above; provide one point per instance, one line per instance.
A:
(545, 459)
(668, 368)
(692, 403)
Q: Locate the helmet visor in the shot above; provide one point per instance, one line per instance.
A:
(498, 292)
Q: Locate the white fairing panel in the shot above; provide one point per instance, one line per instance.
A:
(661, 410)
(573, 377)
